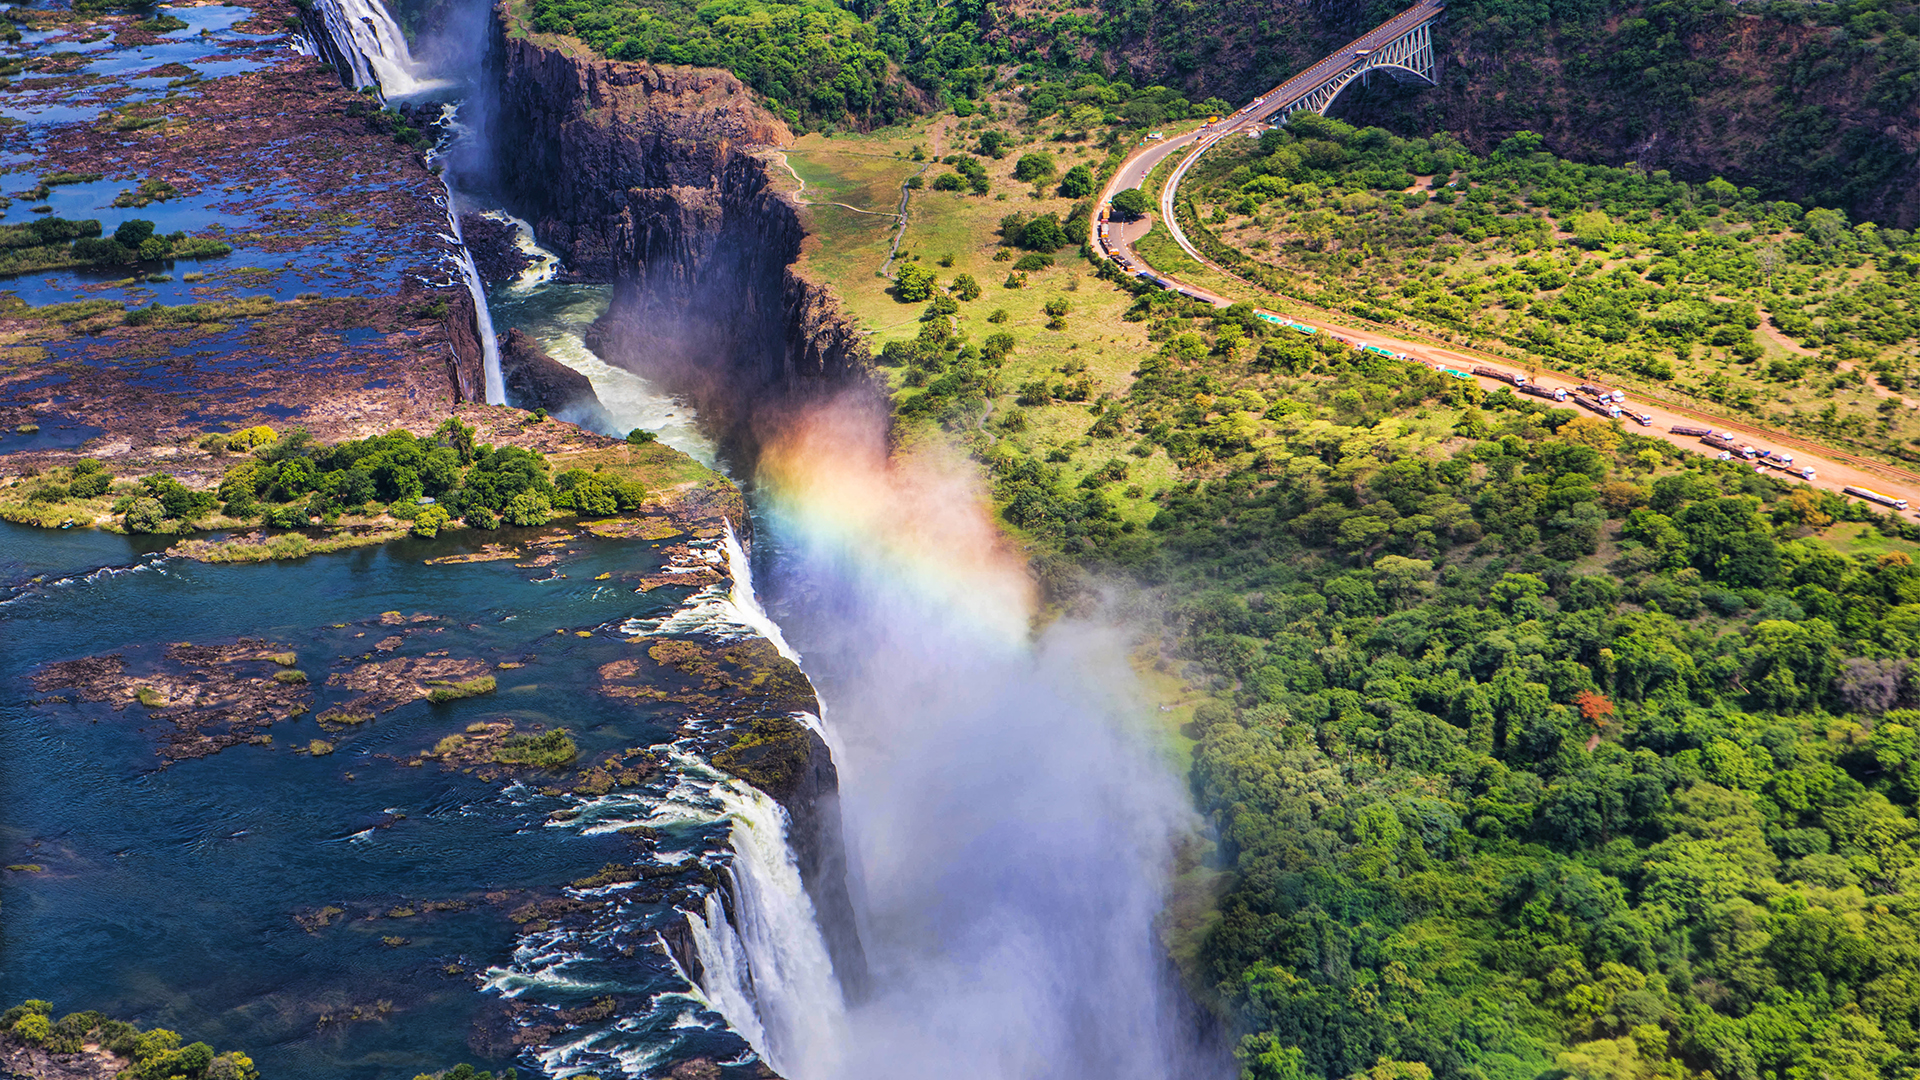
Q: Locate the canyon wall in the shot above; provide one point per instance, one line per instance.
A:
(650, 178)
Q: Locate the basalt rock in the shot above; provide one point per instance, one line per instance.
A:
(654, 179)
(493, 243)
(538, 381)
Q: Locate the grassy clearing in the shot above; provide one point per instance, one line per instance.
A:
(656, 466)
(1097, 343)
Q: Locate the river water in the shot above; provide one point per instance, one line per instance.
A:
(171, 895)
(349, 916)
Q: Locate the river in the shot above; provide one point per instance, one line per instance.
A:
(356, 913)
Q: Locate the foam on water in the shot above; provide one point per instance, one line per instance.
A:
(375, 47)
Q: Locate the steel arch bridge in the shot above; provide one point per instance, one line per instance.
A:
(1401, 47)
(1407, 59)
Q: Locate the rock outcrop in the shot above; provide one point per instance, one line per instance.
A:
(652, 178)
(537, 381)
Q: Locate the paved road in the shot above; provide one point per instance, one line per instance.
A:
(1834, 470)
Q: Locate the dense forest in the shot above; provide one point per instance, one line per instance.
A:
(1532, 745)
(1800, 318)
(1801, 101)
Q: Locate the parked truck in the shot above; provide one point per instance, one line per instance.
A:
(1804, 472)
(1605, 408)
(1690, 429)
(1722, 441)
(1873, 496)
(1602, 393)
(1551, 393)
(1503, 376)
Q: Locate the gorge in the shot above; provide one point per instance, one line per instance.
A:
(949, 861)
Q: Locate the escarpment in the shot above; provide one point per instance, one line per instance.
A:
(651, 178)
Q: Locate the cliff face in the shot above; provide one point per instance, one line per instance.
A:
(1826, 113)
(648, 177)
(1797, 111)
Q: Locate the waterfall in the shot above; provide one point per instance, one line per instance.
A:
(726, 977)
(796, 996)
(482, 316)
(374, 49)
(541, 263)
(373, 46)
(746, 604)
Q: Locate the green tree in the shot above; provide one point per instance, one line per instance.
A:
(1077, 183)
(1033, 167)
(1131, 203)
(914, 284)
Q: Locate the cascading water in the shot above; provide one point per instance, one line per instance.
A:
(800, 1007)
(374, 48)
(496, 387)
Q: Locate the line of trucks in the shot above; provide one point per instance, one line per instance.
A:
(1604, 400)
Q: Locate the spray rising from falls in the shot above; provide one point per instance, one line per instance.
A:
(1010, 819)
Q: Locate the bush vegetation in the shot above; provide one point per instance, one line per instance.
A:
(1705, 290)
(549, 750)
(150, 1055)
(1532, 745)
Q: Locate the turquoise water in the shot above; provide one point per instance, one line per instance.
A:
(169, 895)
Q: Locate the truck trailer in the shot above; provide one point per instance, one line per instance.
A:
(1605, 408)
(1551, 393)
(1873, 496)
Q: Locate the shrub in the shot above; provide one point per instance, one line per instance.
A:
(1033, 167)
(480, 517)
(1033, 260)
(1078, 183)
(474, 687)
(914, 284)
(90, 485)
(248, 438)
(640, 437)
(529, 508)
(1131, 204)
(145, 516)
(429, 520)
(949, 182)
(33, 1028)
(548, 751)
(966, 287)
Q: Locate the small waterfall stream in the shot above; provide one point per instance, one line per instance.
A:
(370, 42)
(766, 969)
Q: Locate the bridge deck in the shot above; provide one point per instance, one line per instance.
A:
(1333, 65)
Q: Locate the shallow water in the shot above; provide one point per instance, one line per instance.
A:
(169, 895)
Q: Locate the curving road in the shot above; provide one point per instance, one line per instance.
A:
(1834, 470)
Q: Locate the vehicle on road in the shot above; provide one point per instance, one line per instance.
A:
(1503, 376)
(1873, 496)
(1643, 419)
(1551, 393)
(1605, 408)
(1690, 429)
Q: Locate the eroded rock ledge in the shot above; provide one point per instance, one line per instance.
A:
(653, 178)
